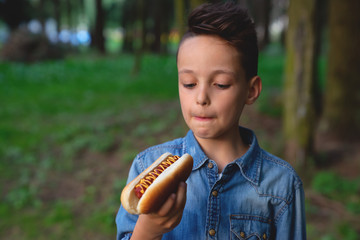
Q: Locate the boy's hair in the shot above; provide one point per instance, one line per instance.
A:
(233, 24)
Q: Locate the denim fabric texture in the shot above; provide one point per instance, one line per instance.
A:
(257, 196)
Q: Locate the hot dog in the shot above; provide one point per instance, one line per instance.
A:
(150, 189)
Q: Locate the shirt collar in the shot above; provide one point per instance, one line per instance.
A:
(249, 163)
(193, 148)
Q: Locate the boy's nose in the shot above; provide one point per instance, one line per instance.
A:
(202, 98)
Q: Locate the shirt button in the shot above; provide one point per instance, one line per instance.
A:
(242, 234)
(215, 193)
(264, 236)
(210, 165)
(212, 232)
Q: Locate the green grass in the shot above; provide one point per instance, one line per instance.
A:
(51, 113)
(70, 128)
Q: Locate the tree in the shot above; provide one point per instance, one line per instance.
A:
(57, 14)
(300, 80)
(14, 12)
(180, 16)
(342, 99)
(148, 20)
(99, 39)
(161, 15)
(140, 46)
(261, 11)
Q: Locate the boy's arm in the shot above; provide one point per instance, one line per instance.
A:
(154, 225)
(291, 224)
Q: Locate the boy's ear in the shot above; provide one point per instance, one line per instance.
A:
(255, 86)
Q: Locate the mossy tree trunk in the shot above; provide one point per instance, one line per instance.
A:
(300, 81)
(342, 99)
(180, 16)
(196, 3)
(140, 42)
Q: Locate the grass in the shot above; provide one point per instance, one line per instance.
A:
(53, 112)
(70, 128)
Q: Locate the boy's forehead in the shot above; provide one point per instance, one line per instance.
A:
(210, 51)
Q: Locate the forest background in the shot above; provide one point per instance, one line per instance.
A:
(87, 84)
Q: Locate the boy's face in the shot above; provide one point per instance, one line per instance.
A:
(212, 87)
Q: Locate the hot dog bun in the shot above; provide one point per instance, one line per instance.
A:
(157, 193)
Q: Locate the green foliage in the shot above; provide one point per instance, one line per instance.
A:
(338, 188)
(53, 111)
(271, 67)
(64, 125)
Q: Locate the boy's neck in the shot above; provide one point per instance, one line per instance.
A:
(223, 150)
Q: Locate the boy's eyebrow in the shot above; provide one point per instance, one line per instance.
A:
(219, 71)
(224, 71)
(186, 71)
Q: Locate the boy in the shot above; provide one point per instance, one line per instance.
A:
(236, 190)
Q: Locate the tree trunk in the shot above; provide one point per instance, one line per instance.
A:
(342, 99)
(40, 8)
(300, 81)
(261, 12)
(99, 27)
(267, 15)
(158, 20)
(195, 3)
(140, 43)
(57, 11)
(69, 14)
(180, 16)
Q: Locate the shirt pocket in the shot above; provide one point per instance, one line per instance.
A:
(250, 227)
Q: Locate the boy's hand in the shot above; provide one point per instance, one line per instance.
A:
(154, 225)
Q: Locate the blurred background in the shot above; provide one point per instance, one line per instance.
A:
(87, 84)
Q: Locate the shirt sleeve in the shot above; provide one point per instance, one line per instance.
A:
(291, 223)
(125, 221)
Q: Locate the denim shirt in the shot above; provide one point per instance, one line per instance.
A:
(257, 196)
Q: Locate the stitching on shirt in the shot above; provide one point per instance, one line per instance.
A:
(141, 156)
(141, 163)
(201, 162)
(285, 202)
(281, 211)
(269, 195)
(279, 162)
(258, 163)
(285, 164)
(152, 149)
(251, 218)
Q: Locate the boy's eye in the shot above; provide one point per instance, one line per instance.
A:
(223, 86)
(189, 85)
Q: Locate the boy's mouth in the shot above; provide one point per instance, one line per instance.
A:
(203, 118)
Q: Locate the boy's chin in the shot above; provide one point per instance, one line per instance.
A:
(214, 134)
(204, 134)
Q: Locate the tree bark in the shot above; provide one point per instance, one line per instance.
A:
(300, 81)
(261, 11)
(342, 99)
(196, 3)
(99, 27)
(140, 43)
(57, 16)
(180, 16)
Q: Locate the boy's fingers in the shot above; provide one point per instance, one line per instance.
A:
(168, 205)
(181, 196)
(175, 201)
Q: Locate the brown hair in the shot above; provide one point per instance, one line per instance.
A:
(233, 24)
